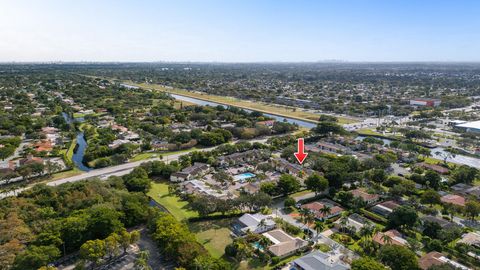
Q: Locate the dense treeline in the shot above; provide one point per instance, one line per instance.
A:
(44, 222)
(178, 243)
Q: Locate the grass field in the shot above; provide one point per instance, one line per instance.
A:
(179, 209)
(213, 234)
(367, 131)
(215, 240)
(144, 156)
(69, 153)
(280, 110)
(69, 173)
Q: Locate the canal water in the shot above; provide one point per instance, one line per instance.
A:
(79, 151)
(276, 117)
(437, 152)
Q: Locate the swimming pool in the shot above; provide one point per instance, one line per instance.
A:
(243, 176)
(257, 246)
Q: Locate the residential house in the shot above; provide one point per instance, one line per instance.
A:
(284, 245)
(460, 187)
(254, 223)
(473, 191)
(317, 209)
(354, 221)
(119, 128)
(453, 199)
(444, 224)
(365, 196)
(283, 166)
(43, 145)
(318, 260)
(160, 145)
(251, 188)
(436, 258)
(190, 172)
(30, 160)
(385, 208)
(116, 143)
(200, 188)
(466, 190)
(268, 123)
(392, 237)
(434, 167)
(242, 157)
(332, 148)
(471, 239)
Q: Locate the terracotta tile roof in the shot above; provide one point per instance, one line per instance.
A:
(283, 244)
(316, 206)
(395, 236)
(453, 199)
(433, 167)
(364, 195)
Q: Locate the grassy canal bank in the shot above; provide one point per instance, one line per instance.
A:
(280, 110)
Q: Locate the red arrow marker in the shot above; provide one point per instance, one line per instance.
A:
(300, 154)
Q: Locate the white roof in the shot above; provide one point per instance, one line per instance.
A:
(252, 221)
(474, 124)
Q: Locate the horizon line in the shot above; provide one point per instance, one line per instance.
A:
(240, 62)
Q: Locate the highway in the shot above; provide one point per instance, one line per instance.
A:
(117, 170)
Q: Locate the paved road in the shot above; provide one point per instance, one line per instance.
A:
(117, 170)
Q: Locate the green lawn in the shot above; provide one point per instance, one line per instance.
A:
(214, 235)
(367, 131)
(215, 240)
(69, 153)
(144, 156)
(69, 173)
(178, 208)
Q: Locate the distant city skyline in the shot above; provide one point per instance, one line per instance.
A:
(239, 31)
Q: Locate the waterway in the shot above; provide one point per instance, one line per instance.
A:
(79, 150)
(214, 104)
(437, 152)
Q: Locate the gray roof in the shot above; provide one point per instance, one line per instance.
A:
(250, 220)
(318, 260)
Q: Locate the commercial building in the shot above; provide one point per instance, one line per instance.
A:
(470, 126)
(430, 102)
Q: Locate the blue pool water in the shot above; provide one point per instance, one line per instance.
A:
(243, 176)
(257, 246)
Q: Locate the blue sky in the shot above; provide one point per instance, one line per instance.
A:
(239, 30)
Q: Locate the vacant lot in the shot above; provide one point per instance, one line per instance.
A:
(214, 235)
(177, 207)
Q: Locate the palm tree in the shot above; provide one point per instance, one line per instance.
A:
(318, 226)
(367, 230)
(261, 224)
(309, 218)
(386, 238)
(303, 213)
(343, 222)
(264, 242)
(325, 211)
